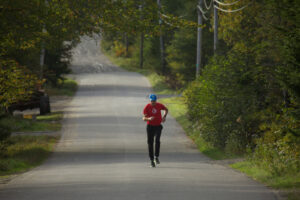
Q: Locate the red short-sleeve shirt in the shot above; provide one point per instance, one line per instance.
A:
(154, 111)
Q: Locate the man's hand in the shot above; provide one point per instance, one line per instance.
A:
(163, 119)
(148, 118)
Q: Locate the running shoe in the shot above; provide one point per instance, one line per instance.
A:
(156, 161)
(152, 163)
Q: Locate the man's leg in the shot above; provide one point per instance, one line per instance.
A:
(150, 140)
(157, 140)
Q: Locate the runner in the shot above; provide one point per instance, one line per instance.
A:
(152, 114)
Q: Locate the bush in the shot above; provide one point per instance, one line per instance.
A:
(119, 49)
(5, 132)
(280, 157)
(236, 142)
(279, 148)
(223, 102)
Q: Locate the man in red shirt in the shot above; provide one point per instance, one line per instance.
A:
(152, 115)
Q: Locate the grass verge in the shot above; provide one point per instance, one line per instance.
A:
(21, 153)
(178, 110)
(288, 183)
(67, 87)
(49, 122)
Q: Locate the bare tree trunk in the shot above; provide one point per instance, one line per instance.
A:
(142, 51)
(162, 46)
(199, 41)
(216, 30)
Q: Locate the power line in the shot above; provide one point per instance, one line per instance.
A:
(226, 4)
(216, 6)
(230, 11)
(202, 12)
(202, 15)
(206, 6)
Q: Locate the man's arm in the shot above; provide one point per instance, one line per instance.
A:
(165, 115)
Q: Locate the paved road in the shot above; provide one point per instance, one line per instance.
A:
(103, 153)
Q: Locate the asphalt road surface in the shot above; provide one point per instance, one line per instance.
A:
(103, 150)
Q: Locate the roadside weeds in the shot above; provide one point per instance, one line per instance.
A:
(34, 136)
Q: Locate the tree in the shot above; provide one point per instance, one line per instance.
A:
(253, 89)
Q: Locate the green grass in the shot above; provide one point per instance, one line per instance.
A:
(55, 116)
(25, 152)
(68, 87)
(288, 182)
(49, 122)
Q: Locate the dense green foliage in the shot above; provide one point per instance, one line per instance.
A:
(247, 98)
(52, 28)
(221, 102)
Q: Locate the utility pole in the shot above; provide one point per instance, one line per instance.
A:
(216, 28)
(161, 38)
(43, 51)
(199, 40)
(216, 4)
(142, 40)
(42, 56)
(142, 51)
(126, 43)
(125, 35)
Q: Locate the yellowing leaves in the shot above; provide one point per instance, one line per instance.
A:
(15, 82)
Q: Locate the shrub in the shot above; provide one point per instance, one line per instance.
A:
(279, 148)
(119, 49)
(280, 157)
(223, 102)
(236, 142)
(5, 132)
